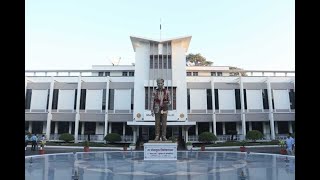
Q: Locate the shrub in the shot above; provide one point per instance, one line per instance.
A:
(207, 137)
(86, 143)
(66, 137)
(112, 137)
(254, 135)
(188, 143)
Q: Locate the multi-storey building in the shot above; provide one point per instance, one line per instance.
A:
(109, 99)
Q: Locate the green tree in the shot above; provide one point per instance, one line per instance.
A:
(198, 60)
(236, 73)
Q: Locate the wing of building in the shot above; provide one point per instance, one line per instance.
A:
(116, 99)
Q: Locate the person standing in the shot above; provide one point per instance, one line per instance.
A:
(289, 144)
(160, 100)
(26, 141)
(34, 140)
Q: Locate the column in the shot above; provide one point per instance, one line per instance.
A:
(70, 127)
(210, 127)
(272, 125)
(77, 118)
(82, 128)
(197, 128)
(110, 127)
(214, 120)
(276, 127)
(49, 116)
(56, 128)
(243, 117)
(123, 130)
(106, 116)
(30, 127)
(250, 126)
(186, 133)
(223, 128)
(44, 127)
(290, 126)
(25, 86)
(264, 128)
(134, 129)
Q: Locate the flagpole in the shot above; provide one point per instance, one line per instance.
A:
(160, 29)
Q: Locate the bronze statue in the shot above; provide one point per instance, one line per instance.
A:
(160, 100)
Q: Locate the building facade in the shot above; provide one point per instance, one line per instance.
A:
(107, 99)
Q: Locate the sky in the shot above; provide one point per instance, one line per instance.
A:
(76, 34)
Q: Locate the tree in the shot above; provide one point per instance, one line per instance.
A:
(237, 73)
(197, 60)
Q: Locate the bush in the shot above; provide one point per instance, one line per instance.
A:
(254, 135)
(189, 143)
(112, 137)
(66, 137)
(86, 143)
(207, 137)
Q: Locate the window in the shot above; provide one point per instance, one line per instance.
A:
(216, 98)
(83, 98)
(124, 73)
(265, 99)
(213, 74)
(100, 74)
(104, 92)
(238, 100)
(151, 61)
(245, 98)
(292, 99)
(111, 99)
(169, 61)
(219, 73)
(48, 96)
(188, 73)
(55, 98)
(160, 62)
(131, 73)
(107, 73)
(195, 73)
(132, 98)
(209, 99)
(188, 98)
(28, 98)
(75, 98)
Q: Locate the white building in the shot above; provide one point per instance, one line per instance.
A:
(109, 99)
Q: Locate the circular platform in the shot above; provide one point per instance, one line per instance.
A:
(189, 165)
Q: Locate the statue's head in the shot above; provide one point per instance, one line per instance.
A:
(160, 83)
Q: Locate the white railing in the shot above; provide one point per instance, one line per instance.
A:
(127, 138)
(281, 136)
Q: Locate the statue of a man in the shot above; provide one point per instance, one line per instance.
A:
(160, 100)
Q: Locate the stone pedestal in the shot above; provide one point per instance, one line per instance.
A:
(160, 150)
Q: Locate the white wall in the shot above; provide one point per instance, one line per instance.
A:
(141, 74)
(179, 76)
(254, 99)
(122, 99)
(94, 99)
(281, 99)
(227, 99)
(198, 99)
(66, 99)
(39, 99)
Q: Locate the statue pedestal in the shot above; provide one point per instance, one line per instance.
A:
(160, 150)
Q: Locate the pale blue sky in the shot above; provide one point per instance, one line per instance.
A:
(76, 34)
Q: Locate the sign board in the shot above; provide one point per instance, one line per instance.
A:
(171, 116)
(160, 151)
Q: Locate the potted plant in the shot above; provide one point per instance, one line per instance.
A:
(205, 138)
(282, 145)
(189, 145)
(132, 146)
(41, 150)
(242, 147)
(86, 146)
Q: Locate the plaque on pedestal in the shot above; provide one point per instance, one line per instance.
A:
(160, 150)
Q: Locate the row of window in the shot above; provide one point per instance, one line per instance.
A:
(125, 73)
(238, 100)
(148, 92)
(160, 62)
(196, 73)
